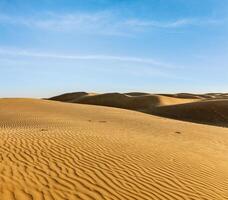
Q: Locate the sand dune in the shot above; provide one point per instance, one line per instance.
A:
(53, 150)
(213, 112)
(69, 97)
(211, 108)
(199, 96)
(134, 101)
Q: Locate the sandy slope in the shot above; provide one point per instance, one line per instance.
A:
(209, 108)
(133, 100)
(214, 112)
(53, 150)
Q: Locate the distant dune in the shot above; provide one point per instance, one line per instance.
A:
(134, 101)
(213, 112)
(209, 108)
(64, 151)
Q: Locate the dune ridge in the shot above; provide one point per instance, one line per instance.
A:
(211, 108)
(134, 100)
(53, 150)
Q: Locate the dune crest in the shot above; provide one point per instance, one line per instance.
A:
(211, 108)
(52, 150)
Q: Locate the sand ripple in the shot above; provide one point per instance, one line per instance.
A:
(51, 150)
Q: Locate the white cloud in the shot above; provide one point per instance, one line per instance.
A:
(172, 24)
(27, 53)
(99, 23)
(103, 23)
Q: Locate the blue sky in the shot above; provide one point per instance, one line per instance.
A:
(49, 47)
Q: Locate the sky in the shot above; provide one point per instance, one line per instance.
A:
(49, 47)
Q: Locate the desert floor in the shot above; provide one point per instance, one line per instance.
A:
(55, 150)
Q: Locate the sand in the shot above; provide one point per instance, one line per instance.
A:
(211, 108)
(54, 150)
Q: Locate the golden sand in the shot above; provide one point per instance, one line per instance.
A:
(53, 150)
(209, 108)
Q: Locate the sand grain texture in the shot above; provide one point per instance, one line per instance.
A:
(53, 150)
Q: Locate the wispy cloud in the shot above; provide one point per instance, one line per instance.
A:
(54, 21)
(100, 22)
(172, 24)
(139, 60)
(110, 64)
(92, 23)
